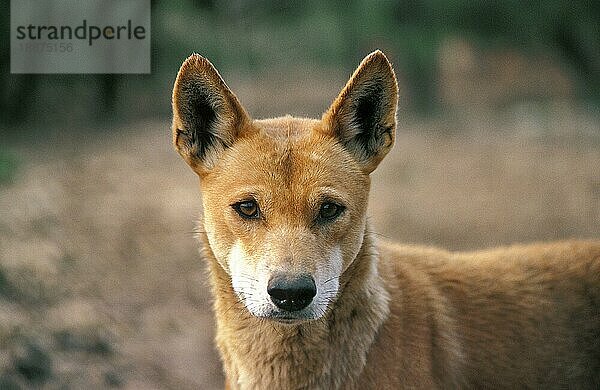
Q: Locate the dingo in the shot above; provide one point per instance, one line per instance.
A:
(306, 299)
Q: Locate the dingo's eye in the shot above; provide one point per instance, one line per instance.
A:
(247, 209)
(330, 211)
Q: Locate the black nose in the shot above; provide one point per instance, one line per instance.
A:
(292, 292)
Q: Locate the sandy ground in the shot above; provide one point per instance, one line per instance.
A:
(101, 283)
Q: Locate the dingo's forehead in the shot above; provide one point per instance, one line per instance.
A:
(287, 157)
(286, 126)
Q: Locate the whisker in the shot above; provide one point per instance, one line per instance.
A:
(247, 276)
(329, 291)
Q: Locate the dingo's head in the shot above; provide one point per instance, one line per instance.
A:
(285, 199)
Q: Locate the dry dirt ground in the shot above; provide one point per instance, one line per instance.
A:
(101, 283)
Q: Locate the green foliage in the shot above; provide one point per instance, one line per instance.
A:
(8, 169)
(253, 37)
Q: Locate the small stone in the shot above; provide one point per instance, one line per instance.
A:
(34, 364)
(9, 383)
(113, 379)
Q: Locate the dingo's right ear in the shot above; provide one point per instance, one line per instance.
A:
(207, 116)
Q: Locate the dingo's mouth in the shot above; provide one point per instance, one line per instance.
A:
(290, 320)
(287, 320)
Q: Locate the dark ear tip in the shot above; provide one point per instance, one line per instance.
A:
(377, 57)
(376, 54)
(378, 62)
(194, 66)
(195, 61)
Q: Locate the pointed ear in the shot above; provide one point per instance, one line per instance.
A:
(363, 116)
(207, 116)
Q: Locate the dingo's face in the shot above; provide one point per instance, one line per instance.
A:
(284, 199)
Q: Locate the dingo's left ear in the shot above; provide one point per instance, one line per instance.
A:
(207, 116)
(363, 116)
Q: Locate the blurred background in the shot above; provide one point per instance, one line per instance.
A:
(101, 282)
